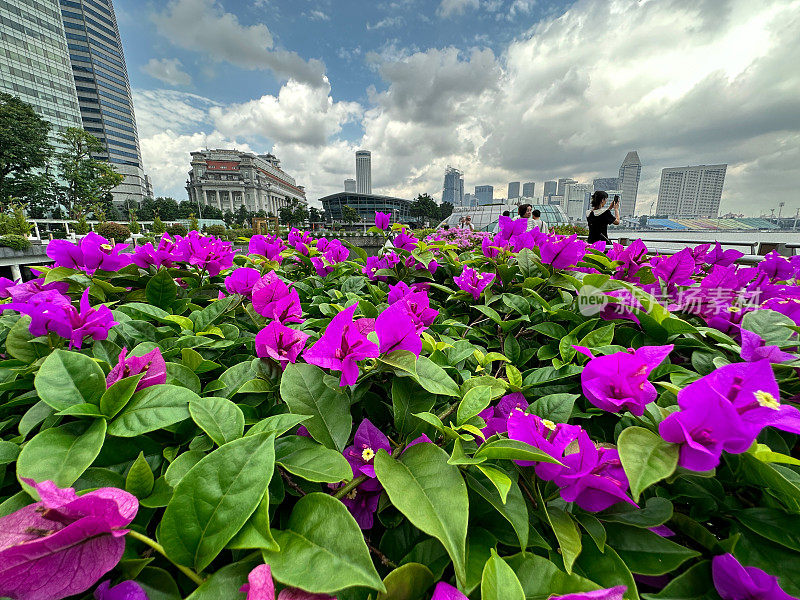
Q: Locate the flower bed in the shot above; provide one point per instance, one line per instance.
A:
(500, 417)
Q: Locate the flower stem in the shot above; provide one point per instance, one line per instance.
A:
(160, 549)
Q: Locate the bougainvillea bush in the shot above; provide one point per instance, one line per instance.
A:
(522, 417)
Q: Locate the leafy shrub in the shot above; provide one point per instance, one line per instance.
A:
(81, 227)
(15, 242)
(158, 226)
(15, 222)
(177, 229)
(216, 230)
(571, 230)
(111, 230)
(517, 423)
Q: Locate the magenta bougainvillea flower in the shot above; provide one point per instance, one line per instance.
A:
(508, 228)
(372, 265)
(280, 343)
(405, 241)
(562, 253)
(614, 593)
(724, 258)
(397, 331)
(366, 443)
(619, 381)
(321, 266)
(89, 322)
(676, 269)
(733, 581)
(268, 246)
(445, 591)
(242, 280)
(489, 248)
(786, 306)
(22, 292)
(473, 282)
(362, 502)
(551, 438)
(63, 544)
(341, 346)
(151, 364)
(726, 410)
(260, 586)
(382, 220)
(92, 253)
(164, 255)
(207, 253)
(273, 299)
(754, 348)
(496, 417)
(127, 590)
(776, 267)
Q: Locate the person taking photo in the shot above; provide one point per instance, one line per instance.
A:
(600, 216)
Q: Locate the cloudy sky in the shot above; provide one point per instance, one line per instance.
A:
(505, 90)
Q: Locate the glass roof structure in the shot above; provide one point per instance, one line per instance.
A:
(486, 217)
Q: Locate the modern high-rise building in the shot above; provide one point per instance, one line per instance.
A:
(470, 200)
(513, 190)
(606, 183)
(349, 185)
(629, 173)
(104, 93)
(528, 189)
(453, 189)
(363, 172)
(550, 189)
(691, 191)
(34, 62)
(576, 200)
(484, 194)
(561, 183)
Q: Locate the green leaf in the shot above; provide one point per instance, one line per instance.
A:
(594, 528)
(542, 579)
(408, 399)
(755, 551)
(645, 552)
(158, 584)
(555, 407)
(646, 458)
(256, 534)
(773, 524)
(304, 390)
(310, 460)
(499, 581)
(431, 494)
(20, 345)
(513, 508)
(67, 378)
(656, 511)
(139, 480)
(401, 360)
(9, 451)
(220, 418)
(695, 583)
(277, 424)
(322, 549)
(117, 396)
(181, 465)
(567, 534)
(152, 408)
(407, 582)
(224, 583)
(178, 374)
(61, 454)
(480, 544)
(203, 319)
(474, 401)
(513, 450)
(434, 379)
(215, 499)
(606, 568)
(161, 290)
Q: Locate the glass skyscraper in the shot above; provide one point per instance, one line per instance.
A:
(34, 61)
(103, 91)
(453, 189)
(629, 173)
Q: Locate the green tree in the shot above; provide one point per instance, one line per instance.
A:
(314, 215)
(229, 218)
(211, 212)
(243, 216)
(158, 225)
(193, 226)
(424, 208)
(134, 225)
(286, 215)
(23, 146)
(350, 214)
(40, 190)
(87, 179)
(301, 214)
(445, 210)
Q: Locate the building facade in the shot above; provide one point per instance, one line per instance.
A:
(366, 205)
(561, 183)
(576, 200)
(484, 194)
(606, 183)
(629, 173)
(34, 62)
(230, 179)
(104, 94)
(694, 191)
(513, 190)
(528, 189)
(550, 189)
(349, 185)
(453, 189)
(363, 172)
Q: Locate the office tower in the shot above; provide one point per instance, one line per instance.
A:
(606, 183)
(576, 200)
(484, 194)
(453, 189)
(34, 62)
(557, 200)
(349, 185)
(691, 191)
(513, 190)
(629, 173)
(470, 200)
(363, 172)
(550, 189)
(527, 189)
(104, 94)
(561, 183)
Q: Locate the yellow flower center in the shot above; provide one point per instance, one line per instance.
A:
(768, 400)
(351, 495)
(549, 424)
(367, 454)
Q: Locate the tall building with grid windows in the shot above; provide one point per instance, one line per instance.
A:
(453, 189)
(34, 61)
(103, 91)
(691, 191)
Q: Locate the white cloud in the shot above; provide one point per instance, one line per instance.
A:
(396, 21)
(204, 26)
(317, 15)
(448, 8)
(168, 70)
(157, 110)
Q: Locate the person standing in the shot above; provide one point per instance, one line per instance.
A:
(536, 222)
(468, 223)
(599, 217)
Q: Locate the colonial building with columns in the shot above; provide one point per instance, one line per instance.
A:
(229, 179)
